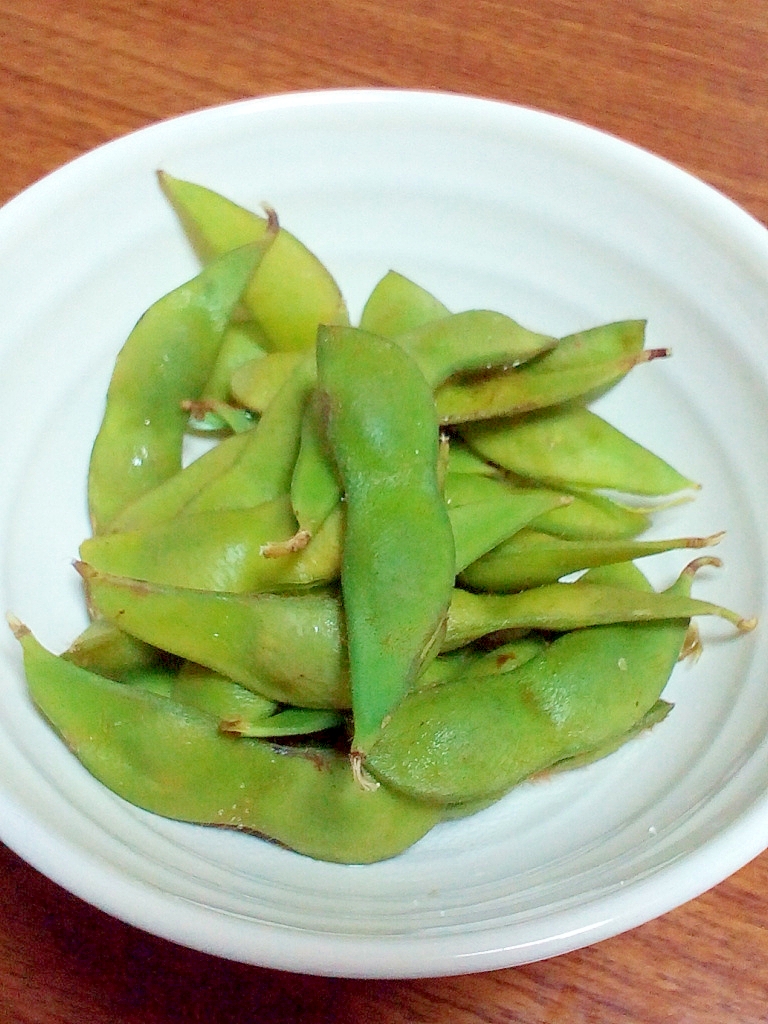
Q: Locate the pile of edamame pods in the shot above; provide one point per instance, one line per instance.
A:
(356, 614)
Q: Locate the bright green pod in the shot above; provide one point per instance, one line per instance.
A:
(471, 739)
(531, 558)
(169, 498)
(166, 360)
(398, 559)
(574, 447)
(221, 550)
(560, 607)
(477, 339)
(292, 292)
(264, 467)
(397, 305)
(169, 760)
(518, 391)
(289, 648)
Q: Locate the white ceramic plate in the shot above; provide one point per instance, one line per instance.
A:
(486, 205)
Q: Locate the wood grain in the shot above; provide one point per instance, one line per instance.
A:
(684, 78)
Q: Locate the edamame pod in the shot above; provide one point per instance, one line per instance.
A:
(264, 467)
(592, 517)
(293, 291)
(479, 527)
(468, 661)
(471, 739)
(166, 759)
(398, 561)
(574, 447)
(240, 712)
(221, 551)
(397, 305)
(523, 389)
(561, 607)
(241, 343)
(109, 651)
(166, 359)
(289, 648)
(256, 383)
(315, 486)
(477, 339)
(169, 498)
(530, 558)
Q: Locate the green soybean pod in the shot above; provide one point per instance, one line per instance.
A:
(398, 558)
(256, 383)
(222, 550)
(574, 447)
(315, 486)
(293, 291)
(170, 497)
(561, 607)
(263, 469)
(166, 359)
(397, 305)
(530, 558)
(242, 342)
(476, 339)
(471, 739)
(238, 711)
(591, 516)
(290, 648)
(107, 650)
(526, 388)
(174, 762)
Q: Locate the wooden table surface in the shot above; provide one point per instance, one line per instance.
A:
(687, 79)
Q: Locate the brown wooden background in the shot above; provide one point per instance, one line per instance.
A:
(685, 78)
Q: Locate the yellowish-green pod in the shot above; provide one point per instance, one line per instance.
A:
(107, 650)
(293, 291)
(397, 305)
(531, 558)
(256, 383)
(264, 467)
(240, 636)
(477, 339)
(516, 391)
(166, 360)
(167, 759)
(471, 739)
(171, 497)
(315, 486)
(241, 343)
(574, 447)
(222, 550)
(560, 607)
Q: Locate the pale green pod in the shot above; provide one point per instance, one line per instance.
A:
(574, 447)
(397, 305)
